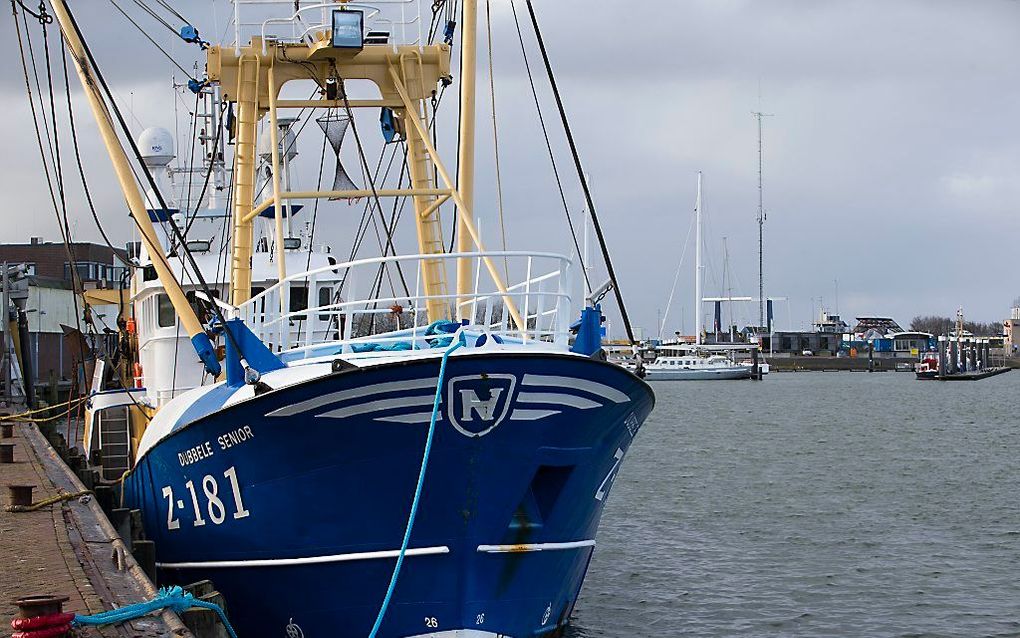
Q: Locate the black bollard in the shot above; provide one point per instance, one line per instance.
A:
(104, 497)
(20, 495)
(120, 518)
(145, 553)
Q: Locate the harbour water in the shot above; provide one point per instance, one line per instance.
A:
(815, 504)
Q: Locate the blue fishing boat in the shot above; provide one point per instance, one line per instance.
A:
(360, 447)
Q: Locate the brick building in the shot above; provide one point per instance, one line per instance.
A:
(51, 299)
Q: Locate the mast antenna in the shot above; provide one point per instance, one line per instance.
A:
(761, 223)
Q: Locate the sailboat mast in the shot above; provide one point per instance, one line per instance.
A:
(761, 225)
(697, 267)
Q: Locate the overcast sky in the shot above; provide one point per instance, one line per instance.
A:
(892, 159)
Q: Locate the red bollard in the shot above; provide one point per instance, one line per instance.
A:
(41, 617)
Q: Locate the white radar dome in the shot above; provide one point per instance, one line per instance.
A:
(288, 145)
(157, 146)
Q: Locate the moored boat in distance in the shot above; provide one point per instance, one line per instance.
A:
(695, 367)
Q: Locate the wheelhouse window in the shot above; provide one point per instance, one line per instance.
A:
(325, 298)
(165, 315)
(298, 300)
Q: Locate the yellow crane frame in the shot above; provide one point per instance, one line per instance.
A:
(407, 78)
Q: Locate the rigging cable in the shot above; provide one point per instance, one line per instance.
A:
(155, 16)
(548, 146)
(150, 39)
(495, 138)
(676, 278)
(44, 19)
(151, 181)
(62, 220)
(81, 170)
(580, 176)
(361, 154)
(166, 5)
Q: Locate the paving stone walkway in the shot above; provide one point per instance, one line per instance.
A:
(36, 556)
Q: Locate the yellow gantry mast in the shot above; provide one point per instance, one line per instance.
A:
(407, 77)
(466, 160)
(122, 168)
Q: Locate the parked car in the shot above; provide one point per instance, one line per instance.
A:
(807, 353)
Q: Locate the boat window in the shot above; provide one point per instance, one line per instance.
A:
(165, 315)
(298, 300)
(325, 298)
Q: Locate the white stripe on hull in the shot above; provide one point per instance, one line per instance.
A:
(534, 547)
(557, 398)
(602, 390)
(376, 406)
(355, 393)
(308, 560)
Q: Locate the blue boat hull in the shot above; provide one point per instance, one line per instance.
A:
(294, 502)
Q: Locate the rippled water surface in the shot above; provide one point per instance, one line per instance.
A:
(815, 504)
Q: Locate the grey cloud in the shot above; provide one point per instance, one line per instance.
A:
(891, 162)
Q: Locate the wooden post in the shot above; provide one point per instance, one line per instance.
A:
(755, 371)
(871, 356)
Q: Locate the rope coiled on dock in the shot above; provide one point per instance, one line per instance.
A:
(173, 598)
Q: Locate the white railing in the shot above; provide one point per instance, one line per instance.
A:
(363, 302)
(278, 19)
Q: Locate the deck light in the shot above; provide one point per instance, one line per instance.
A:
(348, 29)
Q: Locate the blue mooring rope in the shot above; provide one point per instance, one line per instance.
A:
(417, 490)
(173, 598)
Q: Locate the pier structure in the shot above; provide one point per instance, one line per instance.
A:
(66, 553)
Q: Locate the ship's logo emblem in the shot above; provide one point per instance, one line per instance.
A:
(476, 404)
(293, 631)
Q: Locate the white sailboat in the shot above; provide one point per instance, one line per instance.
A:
(688, 362)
